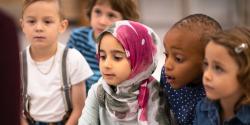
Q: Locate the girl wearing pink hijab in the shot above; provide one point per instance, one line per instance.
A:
(126, 93)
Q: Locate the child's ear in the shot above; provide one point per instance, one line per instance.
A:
(64, 25)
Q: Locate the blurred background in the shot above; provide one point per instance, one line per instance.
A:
(158, 14)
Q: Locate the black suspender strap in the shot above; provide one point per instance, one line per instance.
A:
(24, 79)
(66, 85)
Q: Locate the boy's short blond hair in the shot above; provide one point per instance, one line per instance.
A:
(27, 3)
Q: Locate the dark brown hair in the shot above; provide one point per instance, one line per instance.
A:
(231, 39)
(127, 8)
(201, 25)
(27, 3)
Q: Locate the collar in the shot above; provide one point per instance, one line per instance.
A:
(243, 114)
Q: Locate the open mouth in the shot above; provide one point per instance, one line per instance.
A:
(170, 79)
(208, 88)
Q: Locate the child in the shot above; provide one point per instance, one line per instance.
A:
(182, 74)
(127, 93)
(42, 21)
(226, 79)
(101, 14)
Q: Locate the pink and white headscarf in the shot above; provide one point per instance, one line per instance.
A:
(139, 96)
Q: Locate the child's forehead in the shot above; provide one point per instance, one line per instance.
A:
(48, 7)
(103, 2)
(183, 39)
(182, 36)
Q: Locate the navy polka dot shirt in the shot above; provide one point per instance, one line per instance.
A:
(183, 101)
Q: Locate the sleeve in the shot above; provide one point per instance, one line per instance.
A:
(90, 112)
(79, 69)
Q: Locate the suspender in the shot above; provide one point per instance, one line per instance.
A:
(24, 80)
(65, 87)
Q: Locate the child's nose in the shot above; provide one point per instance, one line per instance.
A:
(107, 63)
(39, 27)
(168, 64)
(104, 20)
(207, 76)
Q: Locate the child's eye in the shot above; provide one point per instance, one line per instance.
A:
(218, 68)
(97, 12)
(47, 21)
(166, 54)
(204, 65)
(179, 59)
(118, 57)
(111, 15)
(31, 21)
(102, 56)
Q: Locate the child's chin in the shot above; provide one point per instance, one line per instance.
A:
(211, 97)
(175, 86)
(111, 83)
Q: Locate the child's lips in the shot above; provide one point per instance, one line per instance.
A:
(39, 37)
(109, 75)
(208, 88)
(170, 79)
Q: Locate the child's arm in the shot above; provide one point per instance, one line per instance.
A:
(78, 99)
(90, 112)
(23, 120)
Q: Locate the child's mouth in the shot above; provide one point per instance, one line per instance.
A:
(39, 37)
(170, 79)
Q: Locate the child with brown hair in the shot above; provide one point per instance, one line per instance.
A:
(42, 22)
(226, 79)
(101, 14)
(182, 74)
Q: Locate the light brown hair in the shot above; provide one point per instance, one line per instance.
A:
(27, 3)
(127, 8)
(231, 39)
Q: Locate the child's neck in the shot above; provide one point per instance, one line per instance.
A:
(39, 54)
(228, 107)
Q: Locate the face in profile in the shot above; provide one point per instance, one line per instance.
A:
(113, 63)
(183, 61)
(102, 15)
(220, 74)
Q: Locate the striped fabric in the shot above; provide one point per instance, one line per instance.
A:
(82, 40)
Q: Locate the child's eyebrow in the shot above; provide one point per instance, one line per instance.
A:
(118, 51)
(176, 48)
(114, 51)
(217, 62)
(30, 17)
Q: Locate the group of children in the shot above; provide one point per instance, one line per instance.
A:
(205, 79)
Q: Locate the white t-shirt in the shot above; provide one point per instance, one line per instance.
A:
(46, 103)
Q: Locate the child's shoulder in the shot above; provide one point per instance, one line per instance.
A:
(206, 105)
(83, 29)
